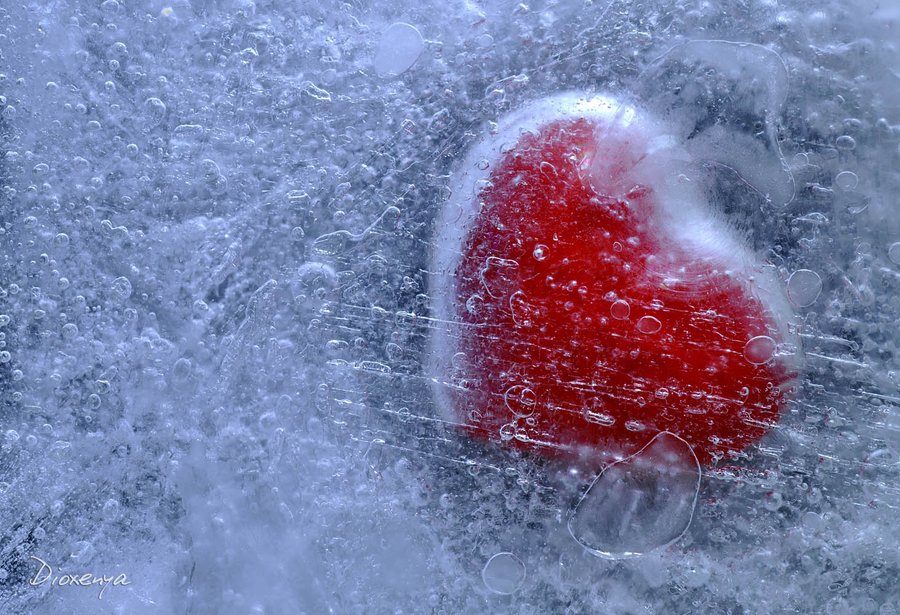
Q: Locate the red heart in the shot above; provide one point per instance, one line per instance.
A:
(587, 299)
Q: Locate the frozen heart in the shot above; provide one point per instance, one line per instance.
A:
(588, 299)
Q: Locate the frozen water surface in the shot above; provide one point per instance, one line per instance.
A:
(216, 222)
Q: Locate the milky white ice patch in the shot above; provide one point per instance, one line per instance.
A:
(400, 47)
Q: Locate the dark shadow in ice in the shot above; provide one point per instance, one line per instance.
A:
(641, 503)
(728, 97)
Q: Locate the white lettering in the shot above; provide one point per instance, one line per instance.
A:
(86, 579)
(44, 566)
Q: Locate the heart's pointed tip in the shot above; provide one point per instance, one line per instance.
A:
(567, 212)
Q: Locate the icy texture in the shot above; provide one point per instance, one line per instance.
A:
(215, 224)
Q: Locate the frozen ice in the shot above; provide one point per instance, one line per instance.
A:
(216, 222)
(759, 87)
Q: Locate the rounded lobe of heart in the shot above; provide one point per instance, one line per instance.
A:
(586, 325)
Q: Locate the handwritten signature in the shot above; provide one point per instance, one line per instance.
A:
(86, 579)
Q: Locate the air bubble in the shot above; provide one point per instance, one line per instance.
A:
(598, 418)
(485, 40)
(804, 287)
(155, 110)
(181, 370)
(759, 350)
(620, 310)
(641, 503)
(400, 47)
(111, 509)
(648, 325)
(504, 573)
(846, 180)
(121, 287)
(894, 253)
(69, 331)
(773, 501)
(845, 142)
(520, 400)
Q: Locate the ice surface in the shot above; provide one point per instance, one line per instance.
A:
(216, 220)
